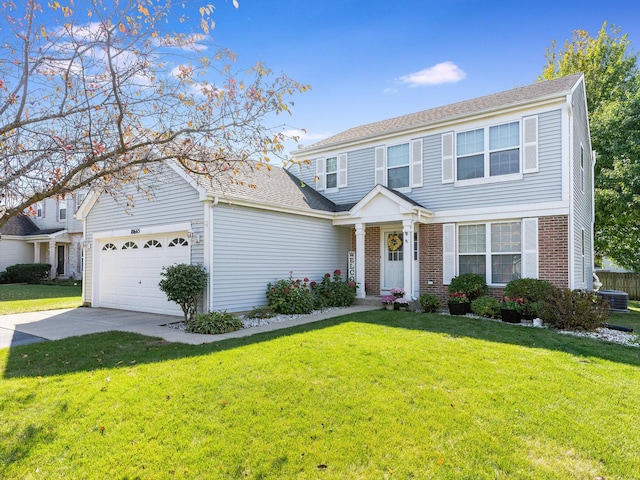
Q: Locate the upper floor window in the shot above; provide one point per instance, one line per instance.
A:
(581, 168)
(331, 172)
(39, 210)
(398, 166)
(62, 209)
(79, 199)
(488, 152)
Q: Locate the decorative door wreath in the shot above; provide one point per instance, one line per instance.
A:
(394, 242)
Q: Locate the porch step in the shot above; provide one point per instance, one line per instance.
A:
(369, 301)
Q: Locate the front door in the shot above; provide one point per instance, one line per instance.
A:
(60, 268)
(394, 251)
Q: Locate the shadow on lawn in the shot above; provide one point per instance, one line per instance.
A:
(122, 349)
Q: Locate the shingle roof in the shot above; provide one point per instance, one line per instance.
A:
(529, 93)
(19, 225)
(274, 186)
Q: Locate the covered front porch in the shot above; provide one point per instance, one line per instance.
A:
(60, 250)
(386, 242)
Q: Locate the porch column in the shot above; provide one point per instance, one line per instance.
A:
(36, 252)
(360, 233)
(52, 259)
(407, 233)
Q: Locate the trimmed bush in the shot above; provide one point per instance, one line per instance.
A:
(290, 296)
(28, 272)
(532, 290)
(332, 291)
(214, 323)
(567, 309)
(430, 303)
(486, 306)
(473, 285)
(183, 284)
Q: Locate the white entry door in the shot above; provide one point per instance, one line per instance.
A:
(393, 262)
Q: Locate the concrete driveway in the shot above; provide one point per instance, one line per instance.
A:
(25, 328)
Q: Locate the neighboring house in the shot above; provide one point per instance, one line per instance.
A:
(500, 185)
(47, 233)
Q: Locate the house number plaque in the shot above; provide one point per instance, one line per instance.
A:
(134, 231)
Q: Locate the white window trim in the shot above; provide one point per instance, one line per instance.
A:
(341, 173)
(582, 171)
(406, 189)
(528, 249)
(487, 178)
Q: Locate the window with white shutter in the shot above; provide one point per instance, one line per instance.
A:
(447, 158)
(416, 163)
(530, 144)
(381, 166)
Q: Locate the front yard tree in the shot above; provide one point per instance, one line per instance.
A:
(97, 93)
(613, 96)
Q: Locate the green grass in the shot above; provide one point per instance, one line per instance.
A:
(32, 298)
(370, 395)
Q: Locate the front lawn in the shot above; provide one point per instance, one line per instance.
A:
(19, 298)
(370, 395)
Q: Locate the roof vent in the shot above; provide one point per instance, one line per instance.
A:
(618, 300)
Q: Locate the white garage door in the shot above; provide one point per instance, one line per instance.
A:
(129, 271)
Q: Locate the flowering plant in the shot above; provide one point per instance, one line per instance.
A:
(458, 297)
(397, 292)
(513, 303)
(387, 299)
(401, 301)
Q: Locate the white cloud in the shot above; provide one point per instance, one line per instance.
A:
(445, 72)
(305, 136)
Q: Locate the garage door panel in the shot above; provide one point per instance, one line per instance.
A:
(129, 277)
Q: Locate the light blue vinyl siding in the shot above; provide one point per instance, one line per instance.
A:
(582, 206)
(252, 248)
(360, 174)
(544, 185)
(173, 201)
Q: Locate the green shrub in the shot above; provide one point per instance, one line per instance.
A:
(213, 323)
(332, 291)
(473, 285)
(567, 309)
(486, 306)
(290, 296)
(183, 284)
(430, 303)
(532, 290)
(28, 272)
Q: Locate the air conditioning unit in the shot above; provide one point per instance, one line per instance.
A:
(618, 300)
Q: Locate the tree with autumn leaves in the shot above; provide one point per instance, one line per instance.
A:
(97, 93)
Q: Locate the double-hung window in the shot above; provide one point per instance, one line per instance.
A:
(331, 172)
(493, 251)
(504, 149)
(62, 209)
(488, 152)
(398, 166)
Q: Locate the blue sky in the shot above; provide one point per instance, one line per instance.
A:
(359, 56)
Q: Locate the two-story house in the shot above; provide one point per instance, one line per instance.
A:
(500, 185)
(47, 233)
